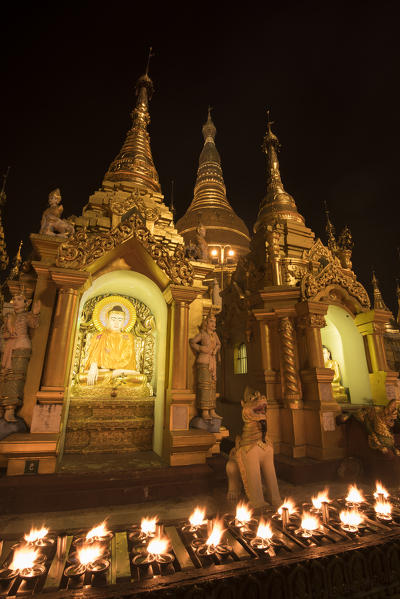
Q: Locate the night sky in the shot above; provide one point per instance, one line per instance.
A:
(328, 71)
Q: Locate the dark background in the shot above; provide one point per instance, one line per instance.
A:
(328, 71)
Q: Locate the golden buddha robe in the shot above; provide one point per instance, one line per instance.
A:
(112, 350)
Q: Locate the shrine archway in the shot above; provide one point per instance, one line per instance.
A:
(147, 297)
(344, 341)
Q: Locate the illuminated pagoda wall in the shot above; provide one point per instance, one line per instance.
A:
(297, 325)
(124, 264)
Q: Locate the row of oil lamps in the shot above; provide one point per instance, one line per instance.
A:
(91, 553)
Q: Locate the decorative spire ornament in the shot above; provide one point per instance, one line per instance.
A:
(16, 266)
(277, 203)
(398, 301)
(330, 231)
(379, 303)
(172, 205)
(134, 163)
(345, 246)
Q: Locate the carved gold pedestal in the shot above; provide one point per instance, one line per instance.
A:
(109, 425)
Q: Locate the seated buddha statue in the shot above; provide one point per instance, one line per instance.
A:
(111, 354)
(338, 391)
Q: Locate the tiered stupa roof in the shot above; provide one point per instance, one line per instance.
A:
(210, 206)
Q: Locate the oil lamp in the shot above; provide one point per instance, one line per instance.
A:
(309, 525)
(383, 509)
(24, 564)
(156, 552)
(197, 519)
(38, 537)
(264, 534)
(354, 496)
(243, 515)
(88, 559)
(381, 493)
(287, 509)
(98, 534)
(351, 520)
(212, 546)
(148, 529)
(321, 503)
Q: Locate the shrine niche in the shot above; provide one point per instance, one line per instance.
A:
(114, 354)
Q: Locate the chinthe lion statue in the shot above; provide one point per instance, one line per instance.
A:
(253, 456)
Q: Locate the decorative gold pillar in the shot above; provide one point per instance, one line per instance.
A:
(181, 340)
(371, 325)
(45, 291)
(292, 414)
(62, 331)
(291, 386)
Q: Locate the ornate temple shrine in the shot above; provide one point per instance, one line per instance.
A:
(117, 293)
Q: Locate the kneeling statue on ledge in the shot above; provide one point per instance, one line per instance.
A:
(253, 456)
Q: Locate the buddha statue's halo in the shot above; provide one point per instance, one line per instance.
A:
(102, 308)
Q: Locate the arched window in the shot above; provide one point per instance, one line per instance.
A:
(240, 359)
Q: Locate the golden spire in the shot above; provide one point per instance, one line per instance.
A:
(134, 162)
(379, 304)
(209, 190)
(398, 301)
(277, 203)
(4, 259)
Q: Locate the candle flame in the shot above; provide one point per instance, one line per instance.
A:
(89, 553)
(321, 498)
(36, 534)
(290, 505)
(216, 534)
(354, 495)
(351, 518)
(158, 546)
(309, 522)
(148, 525)
(380, 490)
(197, 517)
(243, 513)
(264, 530)
(383, 508)
(98, 532)
(24, 557)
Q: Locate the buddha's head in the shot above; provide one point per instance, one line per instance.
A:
(326, 353)
(115, 319)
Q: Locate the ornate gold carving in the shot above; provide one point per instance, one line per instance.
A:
(333, 274)
(122, 206)
(82, 249)
(290, 378)
(311, 320)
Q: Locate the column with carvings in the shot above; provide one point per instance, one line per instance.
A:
(323, 437)
(70, 286)
(45, 291)
(292, 417)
